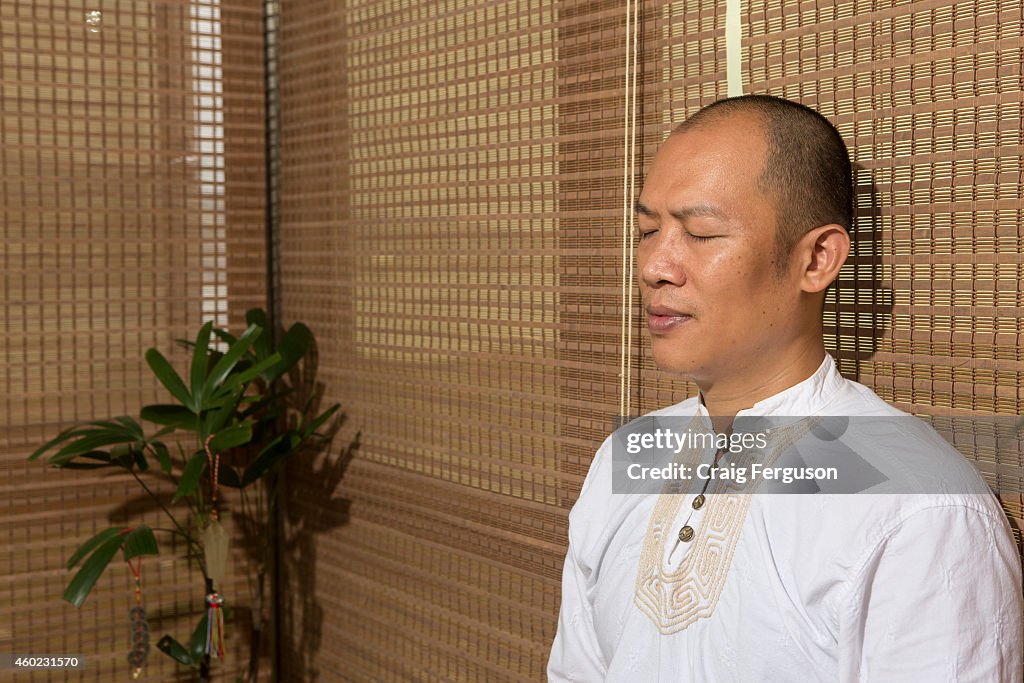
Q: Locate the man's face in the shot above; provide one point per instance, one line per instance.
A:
(715, 302)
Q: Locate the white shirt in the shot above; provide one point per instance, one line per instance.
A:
(789, 587)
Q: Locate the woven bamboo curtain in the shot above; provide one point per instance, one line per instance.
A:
(131, 142)
(451, 227)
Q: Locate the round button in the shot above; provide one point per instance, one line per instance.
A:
(686, 534)
(698, 502)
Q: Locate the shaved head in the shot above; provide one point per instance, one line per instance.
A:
(806, 169)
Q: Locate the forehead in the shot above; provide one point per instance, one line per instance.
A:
(721, 154)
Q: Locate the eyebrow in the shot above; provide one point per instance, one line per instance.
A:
(696, 211)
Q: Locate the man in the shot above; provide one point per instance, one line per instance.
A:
(743, 223)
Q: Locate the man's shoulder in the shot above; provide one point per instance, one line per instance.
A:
(854, 398)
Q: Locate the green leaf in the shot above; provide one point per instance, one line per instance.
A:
(272, 413)
(259, 402)
(318, 422)
(222, 399)
(175, 650)
(140, 541)
(170, 415)
(60, 438)
(197, 644)
(110, 426)
(252, 372)
(169, 378)
(163, 455)
(200, 359)
(139, 457)
(190, 477)
(294, 344)
(132, 426)
(91, 544)
(89, 442)
(227, 363)
(227, 476)
(86, 465)
(232, 437)
(225, 336)
(273, 452)
(123, 455)
(80, 586)
(221, 410)
(102, 458)
(262, 346)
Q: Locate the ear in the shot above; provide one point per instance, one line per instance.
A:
(822, 252)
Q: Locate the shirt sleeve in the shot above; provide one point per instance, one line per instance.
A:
(575, 653)
(938, 599)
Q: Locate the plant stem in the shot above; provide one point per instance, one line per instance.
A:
(181, 530)
(160, 503)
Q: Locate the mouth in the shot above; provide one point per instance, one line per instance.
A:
(661, 319)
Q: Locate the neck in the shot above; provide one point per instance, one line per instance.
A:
(745, 386)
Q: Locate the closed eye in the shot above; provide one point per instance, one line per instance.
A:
(700, 238)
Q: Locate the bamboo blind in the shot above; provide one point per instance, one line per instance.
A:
(452, 193)
(449, 221)
(131, 142)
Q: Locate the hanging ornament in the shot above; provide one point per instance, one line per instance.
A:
(215, 625)
(215, 551)
(213, 536)
(214, 539)
(140, 627)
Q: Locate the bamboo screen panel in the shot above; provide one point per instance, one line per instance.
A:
(452, 191)
(451, 215)
(131, 142)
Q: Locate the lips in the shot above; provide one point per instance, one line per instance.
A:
(662, 319)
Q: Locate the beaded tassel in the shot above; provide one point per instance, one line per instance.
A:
(140, 627)
(215, 625)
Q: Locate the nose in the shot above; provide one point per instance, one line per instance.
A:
(660, 262)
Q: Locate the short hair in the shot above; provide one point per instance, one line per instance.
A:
(806, 167)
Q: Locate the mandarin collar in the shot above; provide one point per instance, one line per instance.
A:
(809, 397)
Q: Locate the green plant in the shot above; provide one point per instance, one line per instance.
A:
(248, 416)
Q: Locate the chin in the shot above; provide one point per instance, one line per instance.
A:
(672, 359)
(675, 363)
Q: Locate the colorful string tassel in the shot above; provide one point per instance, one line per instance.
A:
(215, 625)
